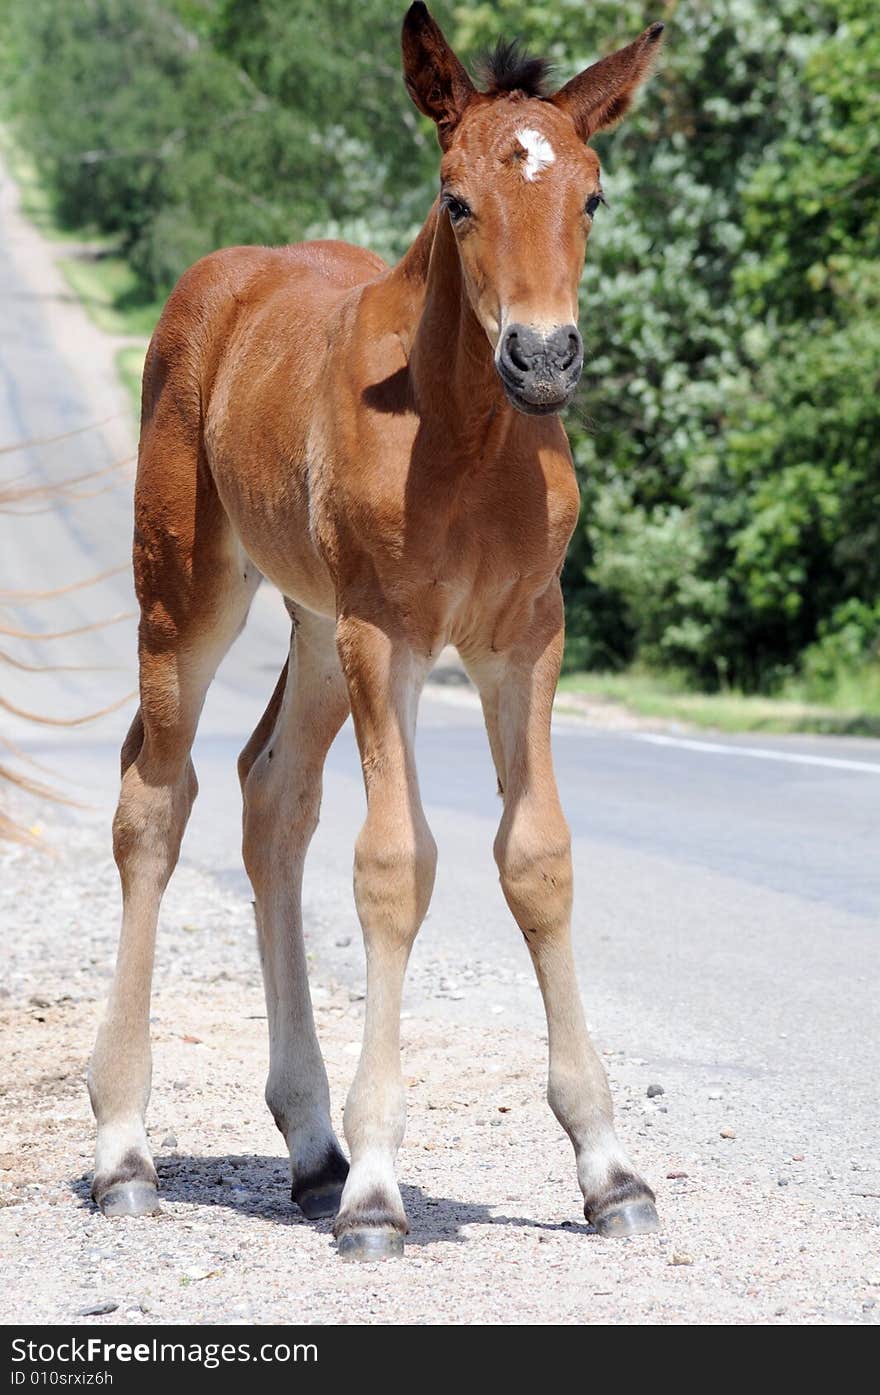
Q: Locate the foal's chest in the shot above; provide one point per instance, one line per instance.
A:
(457, 552)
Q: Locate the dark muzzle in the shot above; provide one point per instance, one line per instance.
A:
(540, 370)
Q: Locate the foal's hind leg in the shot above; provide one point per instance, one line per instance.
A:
(195, 587)
(158, 788)
(533, 852)
(280, 771)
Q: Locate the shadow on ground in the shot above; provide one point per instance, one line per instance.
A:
(259, 1187)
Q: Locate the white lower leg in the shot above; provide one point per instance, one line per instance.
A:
(578, 1087)
(395, 862)
(147, 831)
(297, 1091)
(375, 1111)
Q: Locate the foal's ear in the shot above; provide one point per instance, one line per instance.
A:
(436, 81)
(602, 93)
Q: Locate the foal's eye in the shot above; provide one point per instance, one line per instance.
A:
(458, 209)
(593, 203)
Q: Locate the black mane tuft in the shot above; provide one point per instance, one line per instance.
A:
(509, 68)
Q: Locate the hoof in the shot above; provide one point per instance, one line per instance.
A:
(319, 1203)
(319, 1193)
(630, 1218)
(370, 1243)
(135, 1198)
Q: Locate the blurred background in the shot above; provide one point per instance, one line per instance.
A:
(727, 431)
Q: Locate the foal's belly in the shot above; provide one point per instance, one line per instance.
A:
(266, 496)
(276, 535)
(257, 458)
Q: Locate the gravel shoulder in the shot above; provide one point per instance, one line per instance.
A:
(487, 1177)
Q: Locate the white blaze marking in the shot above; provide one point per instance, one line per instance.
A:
(538, 150)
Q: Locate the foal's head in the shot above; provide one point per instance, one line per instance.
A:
(520, 187)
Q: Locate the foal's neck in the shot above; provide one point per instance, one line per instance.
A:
(451, 363)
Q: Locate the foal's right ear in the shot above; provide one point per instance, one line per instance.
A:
(436, 81)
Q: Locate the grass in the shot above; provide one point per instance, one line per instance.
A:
(110, 292)
(848, 688)
(659, 695)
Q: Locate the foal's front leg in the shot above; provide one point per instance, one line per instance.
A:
(533, 852)
(395, 861)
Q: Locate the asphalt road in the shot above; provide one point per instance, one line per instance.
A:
(727, 889)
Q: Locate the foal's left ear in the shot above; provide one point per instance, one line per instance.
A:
(435, 79)
(602, 93)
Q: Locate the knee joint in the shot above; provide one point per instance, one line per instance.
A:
(394, 880)
(535, 872)
(150, 818)
(279, 818)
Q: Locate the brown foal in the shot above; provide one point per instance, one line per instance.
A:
(383, 445)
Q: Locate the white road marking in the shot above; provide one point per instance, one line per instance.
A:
(715, 748)
(538, 149)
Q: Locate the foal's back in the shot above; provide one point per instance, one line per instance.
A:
(259, 313)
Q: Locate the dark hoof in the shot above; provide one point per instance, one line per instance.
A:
(630, 1218)
(319, 1203)
(318, 1194)
(370, 1243)
(135, 1198)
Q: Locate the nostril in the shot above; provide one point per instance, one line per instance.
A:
(514, 353)
(572, 350)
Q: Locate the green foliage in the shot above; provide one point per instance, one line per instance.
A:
(727, 432)
(845, 655)
(184, 126)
